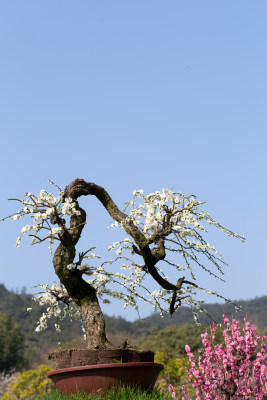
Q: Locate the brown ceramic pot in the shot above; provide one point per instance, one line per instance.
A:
(102, 377)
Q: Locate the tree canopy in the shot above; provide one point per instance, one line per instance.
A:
(159, 227)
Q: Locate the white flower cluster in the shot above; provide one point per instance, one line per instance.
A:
(184, 215)
(52, 296)
(80, 267)
(125, 244)
(179, 216)
(101, 277)
(42, 208)
(68, 208)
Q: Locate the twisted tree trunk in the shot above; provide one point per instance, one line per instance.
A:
(84, 296)
(81, 292)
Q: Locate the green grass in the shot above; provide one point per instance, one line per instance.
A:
(121, 393)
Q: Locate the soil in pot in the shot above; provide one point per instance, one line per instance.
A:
(79, 358)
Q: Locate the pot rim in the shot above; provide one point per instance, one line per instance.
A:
(105, 366)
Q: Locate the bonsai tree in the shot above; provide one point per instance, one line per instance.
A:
(162, 228)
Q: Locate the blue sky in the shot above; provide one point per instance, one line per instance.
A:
(137, 94)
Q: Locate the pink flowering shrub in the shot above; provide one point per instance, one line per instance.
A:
(235, 369)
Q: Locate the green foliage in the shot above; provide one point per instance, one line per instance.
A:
(29, 384)
(121, 393)
(12, 347)
(172, 340)
(174, 373)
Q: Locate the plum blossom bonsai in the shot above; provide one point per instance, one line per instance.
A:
(162, 228)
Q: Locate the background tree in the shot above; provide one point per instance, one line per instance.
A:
(12, 347)
(160, 223)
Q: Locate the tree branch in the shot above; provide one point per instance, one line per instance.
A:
(79, 188)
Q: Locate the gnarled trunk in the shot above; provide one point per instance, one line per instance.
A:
(83, 295)
(94, 325)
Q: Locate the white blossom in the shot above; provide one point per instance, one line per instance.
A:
(55, 231)
(119, 251)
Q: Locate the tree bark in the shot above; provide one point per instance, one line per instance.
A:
(83, 295)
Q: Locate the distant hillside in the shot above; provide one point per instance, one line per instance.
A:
(255, 310)
(16, 304)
